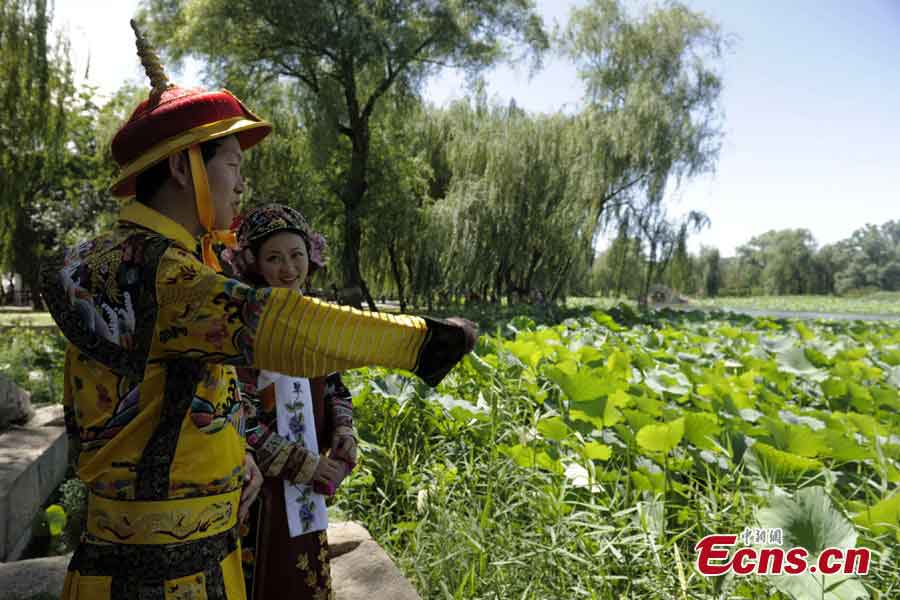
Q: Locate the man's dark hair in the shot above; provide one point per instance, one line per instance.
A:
(148, 182)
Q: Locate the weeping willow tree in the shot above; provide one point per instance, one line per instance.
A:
(517, 202)
(495, 208)
(651, 105)
(35, 87)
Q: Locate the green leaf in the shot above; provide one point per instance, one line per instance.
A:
(648, 405)
(619, 364)
(794, 361)
(883, 517)
(596, 451)
(861, 398)
(842, 448)
(672, 381)
(817, 358)
(700, 429)
(866, 424)
(891, 357)
(530, 353)
(796, 439)
(809, 520)
(649, 482)
(604, 412)
(804, 331)
(553, 428)
(783, 464)
(661, 437)
(607, 321)
(886, 396)
(834, 388)
(637, 419)
(527, 457)
(581, 386)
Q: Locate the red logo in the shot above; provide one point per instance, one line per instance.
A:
(715, 558)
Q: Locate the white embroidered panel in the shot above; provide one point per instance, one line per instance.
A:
(306, 510)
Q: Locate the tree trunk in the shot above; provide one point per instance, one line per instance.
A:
(620, 270)
(563, 274)
(532, 269)
(398, 276)
(355, 190)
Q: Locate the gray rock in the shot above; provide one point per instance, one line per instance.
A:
(15, 404)
(368, 572)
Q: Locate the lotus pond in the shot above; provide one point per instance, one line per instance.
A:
(586, 459)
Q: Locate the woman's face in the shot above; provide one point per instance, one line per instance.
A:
(283, 261)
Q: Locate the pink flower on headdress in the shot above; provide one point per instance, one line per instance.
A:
(317, 249)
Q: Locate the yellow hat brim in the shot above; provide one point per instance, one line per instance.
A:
(124, 186)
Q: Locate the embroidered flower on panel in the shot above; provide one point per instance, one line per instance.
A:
(297, 427)
(311, 578)
(303, 561)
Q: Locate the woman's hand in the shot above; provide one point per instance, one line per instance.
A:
(344, 447)
(329, 470)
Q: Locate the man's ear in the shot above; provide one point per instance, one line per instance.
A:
(180, 168)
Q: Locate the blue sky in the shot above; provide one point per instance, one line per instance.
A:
(811, 104)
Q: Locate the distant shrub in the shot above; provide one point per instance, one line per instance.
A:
(33, 359)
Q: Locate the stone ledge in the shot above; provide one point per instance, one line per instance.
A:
(360, 568)
(32, 464)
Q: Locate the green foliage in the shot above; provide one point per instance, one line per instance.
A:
(33, 359)
(35, 89)
(870, 258)
(73, 497)
(787, 262)
(778, 262)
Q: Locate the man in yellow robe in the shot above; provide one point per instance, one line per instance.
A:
(155, 331)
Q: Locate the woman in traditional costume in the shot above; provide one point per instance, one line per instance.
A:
(155, 332)
(297, 420)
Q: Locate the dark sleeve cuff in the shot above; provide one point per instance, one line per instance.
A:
(444, 346)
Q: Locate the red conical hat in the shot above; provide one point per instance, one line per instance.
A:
(173, 119)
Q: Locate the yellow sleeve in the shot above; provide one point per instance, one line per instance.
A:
(206, 316)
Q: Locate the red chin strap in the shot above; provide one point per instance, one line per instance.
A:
(206, 212)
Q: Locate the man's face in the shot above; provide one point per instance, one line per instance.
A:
(225, 182)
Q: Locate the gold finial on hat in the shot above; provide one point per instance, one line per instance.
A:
(152, 66)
